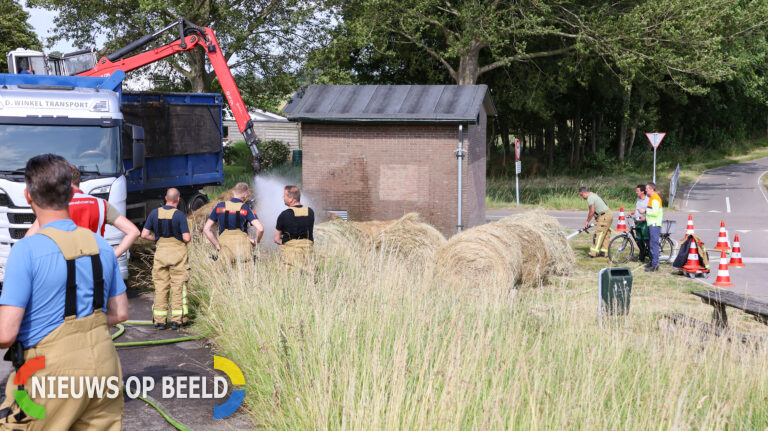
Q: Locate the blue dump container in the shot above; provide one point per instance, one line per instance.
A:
(615, 285)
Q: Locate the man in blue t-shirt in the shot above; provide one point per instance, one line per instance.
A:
(233, 217)
(62, 290)
(170, 270)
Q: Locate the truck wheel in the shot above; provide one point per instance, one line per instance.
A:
(197, 201)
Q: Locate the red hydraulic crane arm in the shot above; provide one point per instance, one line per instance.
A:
(195, 36)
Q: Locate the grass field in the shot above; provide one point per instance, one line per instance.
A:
(559, 192)
(365, 342)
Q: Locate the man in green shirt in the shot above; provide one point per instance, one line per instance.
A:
(603, 221)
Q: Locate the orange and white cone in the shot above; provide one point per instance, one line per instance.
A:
(692, 265)
(736, 261)
(722, 239)
(621, 226)
(689, 228)
(723, 278)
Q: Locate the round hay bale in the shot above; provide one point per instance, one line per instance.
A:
(559, 255)
(336, 235)
(371, 228)
(411, 240)
(484, 254)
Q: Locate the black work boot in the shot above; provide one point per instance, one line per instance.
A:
(161, 326)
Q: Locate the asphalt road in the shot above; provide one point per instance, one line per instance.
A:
(732, 193)
(189, 358)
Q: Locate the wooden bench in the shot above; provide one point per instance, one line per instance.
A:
(719, 299)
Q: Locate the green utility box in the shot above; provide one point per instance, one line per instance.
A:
(296, 157)
(615, 288)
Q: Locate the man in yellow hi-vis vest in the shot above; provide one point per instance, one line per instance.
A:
(603, 220)
(170, 270)
(653, 215)
(293, 230)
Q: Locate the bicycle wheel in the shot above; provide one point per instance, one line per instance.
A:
(666, 249)
(621, 249)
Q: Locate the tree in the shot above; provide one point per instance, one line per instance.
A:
(260, 38)
(15, 31)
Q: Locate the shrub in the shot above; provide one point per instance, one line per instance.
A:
(273, 153)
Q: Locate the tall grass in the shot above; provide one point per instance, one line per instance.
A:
(560, 193)
(365, 342)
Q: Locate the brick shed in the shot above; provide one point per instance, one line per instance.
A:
(380, 151)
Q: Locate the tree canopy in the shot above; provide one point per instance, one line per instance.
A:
(15, 31)
(576, 80)
(261, 39)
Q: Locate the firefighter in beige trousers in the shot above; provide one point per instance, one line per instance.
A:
(294, 231)
(170, 270)
(603, 221)
(233, 217)
(52, 309)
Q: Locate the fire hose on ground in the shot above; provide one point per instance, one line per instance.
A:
(149, 400)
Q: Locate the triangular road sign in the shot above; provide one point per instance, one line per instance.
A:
(655, 138)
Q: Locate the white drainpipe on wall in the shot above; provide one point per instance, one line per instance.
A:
(460, 152)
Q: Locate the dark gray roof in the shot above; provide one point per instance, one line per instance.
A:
(393, 104)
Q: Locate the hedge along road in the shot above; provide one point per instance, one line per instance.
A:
(733, 193)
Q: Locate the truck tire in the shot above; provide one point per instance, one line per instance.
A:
(197, 201)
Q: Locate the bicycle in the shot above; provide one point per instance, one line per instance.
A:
(621, 248)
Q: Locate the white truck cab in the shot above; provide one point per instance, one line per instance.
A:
(22, 61)
(83, 125)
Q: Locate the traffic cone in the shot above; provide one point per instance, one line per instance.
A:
(722, 239)
(689, 228)
(723, 278)
(621, 226)
(693, 265)
(736, 261)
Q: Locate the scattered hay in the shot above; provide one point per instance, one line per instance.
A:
(201, 214)
(411, 240)
(522, 249)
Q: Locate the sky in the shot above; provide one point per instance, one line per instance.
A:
(42, 21)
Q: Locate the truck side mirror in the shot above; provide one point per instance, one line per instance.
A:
(138, 154)
(138, 149)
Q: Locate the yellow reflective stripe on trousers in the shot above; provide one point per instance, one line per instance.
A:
(184, 307)
(158, 313)
(598, 241)
(176, 313)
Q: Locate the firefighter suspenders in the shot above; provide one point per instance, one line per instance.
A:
(73, 245)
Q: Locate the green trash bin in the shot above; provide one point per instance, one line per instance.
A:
(296, 157)
(615, 288)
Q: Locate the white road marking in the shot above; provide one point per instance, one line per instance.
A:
(713, 211)
(728, 204)
(693, 211)
(687, 195)
(760, 186)
(743, 231)
(755, 259)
